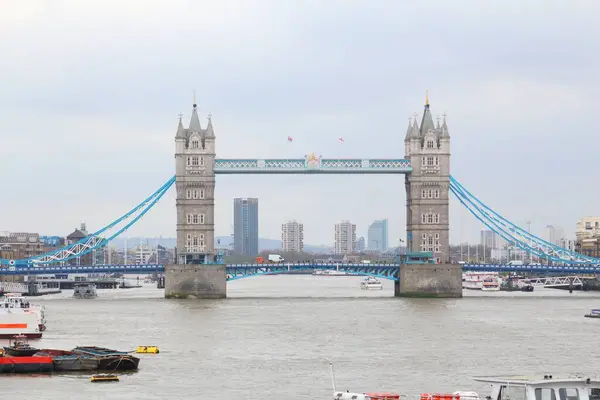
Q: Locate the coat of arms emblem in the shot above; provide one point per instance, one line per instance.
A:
(313, 161)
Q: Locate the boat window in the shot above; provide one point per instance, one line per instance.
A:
(594, 393)
(568, 394)
(512, 393)
(545, 394)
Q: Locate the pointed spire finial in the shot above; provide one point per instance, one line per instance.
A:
(194, 103)
(180, 116)
(427, 97)
(209, 116)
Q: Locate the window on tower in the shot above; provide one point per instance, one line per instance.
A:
(201, 218)
(194, 219)
(430, 144)
(202, 161)
(201, 193)
(194, 240)
(189, 161)
(188, 193)
(189, 218)
(430, 160)
(195, 144)
(195, 161)
(423, 193)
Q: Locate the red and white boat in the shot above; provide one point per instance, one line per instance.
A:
(15, 303)
(19, 323)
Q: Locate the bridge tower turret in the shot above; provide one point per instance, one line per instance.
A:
(195, 185)
(427, 187)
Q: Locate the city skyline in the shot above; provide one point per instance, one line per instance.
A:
(495, 110)
(245, 226)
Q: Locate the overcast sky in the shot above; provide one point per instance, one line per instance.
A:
(90, 96)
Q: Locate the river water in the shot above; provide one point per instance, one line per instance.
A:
(274, 336)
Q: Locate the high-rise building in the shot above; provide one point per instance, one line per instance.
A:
(292, 236)
(491, 240)
(245, 226)
(378, 235)
(360, 244)
(345, 238)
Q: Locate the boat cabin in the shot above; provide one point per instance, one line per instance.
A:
(546, 387)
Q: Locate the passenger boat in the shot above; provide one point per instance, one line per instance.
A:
(31, 364)
(371, 283)
(18, 347)
(84, 291)
(576, 387)
(70, 361)
(14, 323)
(474, 280)
(594, 313)
(490, 285)
(109, 359)
(17, 303)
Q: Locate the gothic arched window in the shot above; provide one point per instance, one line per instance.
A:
(195, 144)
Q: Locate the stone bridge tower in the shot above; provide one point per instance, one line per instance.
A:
(427, 188)
(195, 185)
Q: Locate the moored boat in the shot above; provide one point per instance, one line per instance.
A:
(576, 387)
(110, 359)
(18, 347)
(14, 323)
(30, 364)
(371, 283)
(491, 285)
(70, 361)
(594, 313)
(17, 303)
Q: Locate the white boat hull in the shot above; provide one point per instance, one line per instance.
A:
(19, 323)
(372, 287)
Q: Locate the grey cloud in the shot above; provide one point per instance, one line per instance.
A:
(94, 91)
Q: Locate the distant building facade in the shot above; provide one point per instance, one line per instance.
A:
(245, 226)
(292, 236)
(360, 244)
(587, 236)
(378, 235)
(345, 238)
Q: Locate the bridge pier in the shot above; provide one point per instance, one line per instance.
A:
(429, 280)
(191, 281)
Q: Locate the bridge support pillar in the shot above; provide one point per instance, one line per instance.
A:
(429, 280)
(189, 281)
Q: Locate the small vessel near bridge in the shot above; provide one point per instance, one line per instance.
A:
(371, 283)
(85, 291)
(594, 313)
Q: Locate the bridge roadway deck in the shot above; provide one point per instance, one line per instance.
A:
(238, 271)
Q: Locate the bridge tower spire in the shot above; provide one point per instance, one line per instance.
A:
(427, 187)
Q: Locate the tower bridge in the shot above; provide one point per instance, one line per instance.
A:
(199, 272)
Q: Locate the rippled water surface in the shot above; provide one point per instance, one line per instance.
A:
(273, 337)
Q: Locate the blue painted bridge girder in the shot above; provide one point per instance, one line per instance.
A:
(238, 271)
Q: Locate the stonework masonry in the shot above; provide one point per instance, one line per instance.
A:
(195, 281)
(429, 280)
(427, 187)
(195, 274)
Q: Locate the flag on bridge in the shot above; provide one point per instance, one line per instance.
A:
(290, 139)
(341, 139)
